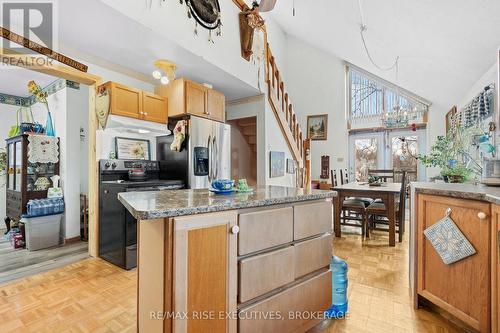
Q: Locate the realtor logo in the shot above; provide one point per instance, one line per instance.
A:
(34, 20)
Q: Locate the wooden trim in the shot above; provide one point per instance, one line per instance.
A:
(241, 4)
(495, 269)
(383, 129)
(168, 272)
(151, 280)
(73, 240)
(27, 43)
(68, 73)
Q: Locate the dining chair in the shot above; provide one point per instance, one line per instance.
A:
(383, 174)
(333, 175)
(378, 209)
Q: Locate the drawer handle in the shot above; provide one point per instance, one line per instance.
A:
(235, 229)
(481, 215)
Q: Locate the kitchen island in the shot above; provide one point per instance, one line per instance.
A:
(245, 262)
(467, 289)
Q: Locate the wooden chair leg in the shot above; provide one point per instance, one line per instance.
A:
(401, 230)
(366, 225)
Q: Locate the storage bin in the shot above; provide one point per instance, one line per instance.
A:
(42, 232)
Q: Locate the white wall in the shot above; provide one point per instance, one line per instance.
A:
(269, 137)
(8, 115)
(316, 85)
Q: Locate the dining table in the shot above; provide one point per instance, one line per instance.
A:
(384, 191)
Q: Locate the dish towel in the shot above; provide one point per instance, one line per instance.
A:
(179, 135)
(43, 149)
(448, 241)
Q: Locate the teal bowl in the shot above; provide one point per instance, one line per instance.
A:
(223, 184)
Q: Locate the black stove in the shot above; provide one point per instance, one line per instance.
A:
(117, 227)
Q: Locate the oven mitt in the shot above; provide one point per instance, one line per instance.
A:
(448, 241)
(179, 135)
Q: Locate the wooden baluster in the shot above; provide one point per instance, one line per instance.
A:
(268, 59)
(307, 164)
(278, 82)
(285, 110)
(290, 112)
(294, 122)
(273, 71)
(299, 141)
(282, 95)
(297, 129)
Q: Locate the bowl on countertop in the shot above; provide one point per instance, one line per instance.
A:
(223, 184)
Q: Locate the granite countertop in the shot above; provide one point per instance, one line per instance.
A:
(170, 203)
(464, 191)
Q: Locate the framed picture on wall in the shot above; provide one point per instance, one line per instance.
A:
(276, 164)
(132, 149)
(317, 127)
(449, 118)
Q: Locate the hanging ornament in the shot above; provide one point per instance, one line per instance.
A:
(207, 14)
(196, 28)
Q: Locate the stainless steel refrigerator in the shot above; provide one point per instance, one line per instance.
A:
(205, 154)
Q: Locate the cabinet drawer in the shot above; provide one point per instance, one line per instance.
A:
(312, 255)
(264, 229)
(263, 273)
(312, 219)
(311, 296)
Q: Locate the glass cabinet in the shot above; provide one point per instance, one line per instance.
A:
(25, 180)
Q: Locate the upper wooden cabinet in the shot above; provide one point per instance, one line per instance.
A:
(135, 103)
(188, 97)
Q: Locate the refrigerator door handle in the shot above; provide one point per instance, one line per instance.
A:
(209, 159)
(216, 157)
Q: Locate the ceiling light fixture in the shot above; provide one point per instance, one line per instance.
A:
(165, 72)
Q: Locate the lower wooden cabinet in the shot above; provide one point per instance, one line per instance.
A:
(205, 272)
(463, 288)
(495, 269)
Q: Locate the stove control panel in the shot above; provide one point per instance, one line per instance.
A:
(125, 165)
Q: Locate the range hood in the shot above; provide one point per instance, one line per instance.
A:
(130, 125)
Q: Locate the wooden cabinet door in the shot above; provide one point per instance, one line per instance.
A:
(154, 108)
(205, 272)
(196, 99)
(495, 269)
(216, 105)
(461, 288)
(125, 101)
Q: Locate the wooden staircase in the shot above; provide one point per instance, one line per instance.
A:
(282, 106)
(248, 127)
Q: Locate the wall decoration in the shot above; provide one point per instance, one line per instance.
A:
(132, 149)
(207, 14)
(449, 118)
(325, 167)
(276, 164)
(317, 127)
(250, 22)
(102, 103)
(290, 166)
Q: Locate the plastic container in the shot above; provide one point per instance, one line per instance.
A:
(339, 289)
(42, 232)
(42, 207)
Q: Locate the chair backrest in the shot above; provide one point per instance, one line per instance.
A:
(382, 174)
(333, 175)
(402, 197)
(344, 178)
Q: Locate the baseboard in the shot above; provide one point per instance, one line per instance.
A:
(73, 240)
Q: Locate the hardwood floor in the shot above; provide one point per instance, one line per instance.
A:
(19, 263)
(94, 296)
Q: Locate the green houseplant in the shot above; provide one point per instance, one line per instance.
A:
(446, 154)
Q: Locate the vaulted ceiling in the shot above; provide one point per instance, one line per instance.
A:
(444, 46)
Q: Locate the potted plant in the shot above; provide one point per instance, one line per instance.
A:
(446, 154)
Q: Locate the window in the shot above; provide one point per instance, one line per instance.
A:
(373, 97)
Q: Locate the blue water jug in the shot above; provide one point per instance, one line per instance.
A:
(339, 289)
